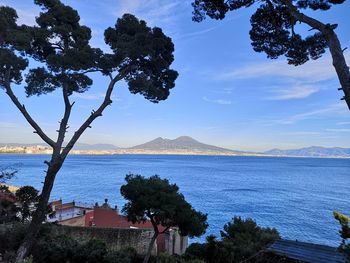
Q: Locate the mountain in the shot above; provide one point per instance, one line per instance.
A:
(313, 151)
(77, 146)
(183, 143)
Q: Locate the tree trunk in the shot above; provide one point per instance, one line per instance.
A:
(151, 245)
(40, 213)
(339, 62)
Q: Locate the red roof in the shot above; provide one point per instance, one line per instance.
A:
(107, 217)
(8, 197)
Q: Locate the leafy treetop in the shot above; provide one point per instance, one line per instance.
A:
(156, 199)
(273, 26)
(60, 44)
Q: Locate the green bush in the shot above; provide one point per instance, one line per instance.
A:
(245, 238)
(54, 249)
(11, 236)
(166, 258)
(26, 260)
(240, 240)
(344, 233)
(127, 255)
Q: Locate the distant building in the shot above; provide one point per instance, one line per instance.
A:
(104, 216)
(61, 212)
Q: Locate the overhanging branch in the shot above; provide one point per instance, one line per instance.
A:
(339, 62)
(64, 122)
(27, 116)
(94, 114)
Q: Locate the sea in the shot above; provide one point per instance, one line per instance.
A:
(297, 196)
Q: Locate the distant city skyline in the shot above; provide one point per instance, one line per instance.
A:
(226, 94)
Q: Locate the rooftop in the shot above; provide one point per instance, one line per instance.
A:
(306, 252)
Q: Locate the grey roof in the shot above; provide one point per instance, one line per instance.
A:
(306, 252)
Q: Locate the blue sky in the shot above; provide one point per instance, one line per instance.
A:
(226, 94)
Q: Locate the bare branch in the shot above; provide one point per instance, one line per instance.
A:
(27, 116)
(64, 121)
(94, 114)
(90, 71)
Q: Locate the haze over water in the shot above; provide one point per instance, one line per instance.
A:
(295, 195)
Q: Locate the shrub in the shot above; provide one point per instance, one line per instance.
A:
(127, 255)
(245, 238)
(344, 233)
(26, 260)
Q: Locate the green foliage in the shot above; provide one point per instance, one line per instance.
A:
(128, 255)
(26, 260)
(240, 240)
(246, 237)
(145, 54)
(8, 209)
(10, 238)
(344, 233)
(60, 46)
(27, 197)
(93, 251)
(167, 258)
(273, 26)
(195, 251)
(52, 249)
(158, 200)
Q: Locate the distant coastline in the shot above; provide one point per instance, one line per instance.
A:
(47, 151)
(183, 145)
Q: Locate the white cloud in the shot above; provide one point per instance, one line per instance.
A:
(338, 130)
(218, 101)
(154, 12)
(337, 109)
(197, 33)
(314, 70)
(333, 109)
(296, 92)
(343, 123)
(302, 133)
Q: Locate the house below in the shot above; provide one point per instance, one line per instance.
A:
(71, 214)
(66, 211)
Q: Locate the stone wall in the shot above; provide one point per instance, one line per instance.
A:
(115, 238)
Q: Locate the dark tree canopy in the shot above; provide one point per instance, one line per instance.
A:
(55, 55)
(246, 237)
(156, 199)
(27, 197)
(145, 54)
(272, 26)
(61, 44)
(274, 31)
(159, 201)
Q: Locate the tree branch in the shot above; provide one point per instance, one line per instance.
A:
(63, 126)
(94, 114)
(27, 116)
(90, 71)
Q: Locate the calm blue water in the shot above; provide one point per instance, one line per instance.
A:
(295, 195)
